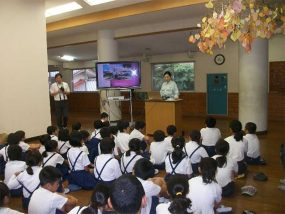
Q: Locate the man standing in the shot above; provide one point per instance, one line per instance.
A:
(59, 90)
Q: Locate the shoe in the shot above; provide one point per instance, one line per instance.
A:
(223, 209)
(66, 190)
(260, 177)
(248, 212)
(282, 181)
(248, 190)
(281, 187)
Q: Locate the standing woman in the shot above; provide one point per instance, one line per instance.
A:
(59, 90)
(169, 88)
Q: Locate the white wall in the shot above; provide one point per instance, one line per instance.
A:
(24, 91)
(277, 48)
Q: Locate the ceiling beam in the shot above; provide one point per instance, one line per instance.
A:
(136, 9)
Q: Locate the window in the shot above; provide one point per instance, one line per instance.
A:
(84, 80)
(51, 76)
(182, 73)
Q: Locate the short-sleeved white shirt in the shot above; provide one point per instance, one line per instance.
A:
(184, 167)
(168, 143)
(31, 182)
(4, 152)
(253, 145)
(42, 149)
(63, 146)
(96, 133)
(198, 154)
(84, 149)
(225, 174)
(82, 161)
(136, 134)
(56, 87)
(78, 210)
(237, 148)
(12, 167)
(210, 136)
(150, 189)
(123, 141)
(53, 137)
(7, 210)
(158, 152)
(125, 160)
(45, 202)
(163, 208)
(25, 147)
(203, 196)
(52, 159)
(112, 169)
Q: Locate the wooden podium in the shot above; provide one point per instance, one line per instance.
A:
(159, 114)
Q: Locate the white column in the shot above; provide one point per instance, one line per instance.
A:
(24, 90)
(107, 49)
(253, 84)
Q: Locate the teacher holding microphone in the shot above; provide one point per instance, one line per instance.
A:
(169, 90)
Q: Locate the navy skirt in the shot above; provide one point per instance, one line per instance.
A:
(82, 178)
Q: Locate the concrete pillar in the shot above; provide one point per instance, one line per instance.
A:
(253, 84)
(108, 51)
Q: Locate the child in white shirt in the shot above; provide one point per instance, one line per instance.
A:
(4, 200)
(43, 140)
(45, 200)
(253, 152)
(22, 136)
(53, 132)
(138, 133)
(195, 151)
(238, 146)
(123, 136)
(171, 132)
(98, 124)
(76, 126)
(63, 142)
(210, 135)
(158, 150)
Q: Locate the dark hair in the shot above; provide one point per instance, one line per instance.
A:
(250, 127)
(63, 134)
(58, 74)
(98, 124)
(21, 134)
(208, 167)
(139, 125)
(195, 136)
(76, 126)
(51, 129)
(222, 148)
(89, 210)
(126, 194)
(105, 132)
(13, 139)
(99, 197)
(178, 188)
(210, 122)
(44, 139)
(84, 134)
(178, 144)
(107, 145)
(122, 124)
(106, 124)
(158, 135)
(75, 139)
(50, 146)
(171, 130)
(144, 169)
(33, 158)
(236, 128)
(114, 130)
(168, 73)
(135, 146)
(49, 174)
(104, 115)
(4, 192)
(14, 152)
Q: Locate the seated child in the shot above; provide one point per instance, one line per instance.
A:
(253, 151)
(238, 146)
(123, 136)
(171, 132)
(14, 165)
(138, 133)
(12, 139)
(158, 150)
(226, 168)
(210, 135)
(43, 140)
(127, 195)
(53, 132)
(178, 188)
(22, 136)
(204, 192)
(130, 157)
(106, 167)
(177, 162)
(195, 151)
(104, 117)
(63, 142)
(45, 200)
(76, 126)
(144, 171)
(28, 179)
(98, 124)
(4, 200)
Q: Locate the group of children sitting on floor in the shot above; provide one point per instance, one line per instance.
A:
(120, 165)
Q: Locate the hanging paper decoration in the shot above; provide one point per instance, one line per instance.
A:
(239, 20)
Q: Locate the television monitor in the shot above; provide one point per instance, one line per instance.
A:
(118, 74)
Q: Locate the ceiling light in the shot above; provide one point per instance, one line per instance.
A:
(62, 9)
(67, 57)
(96, 2)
